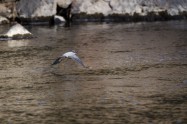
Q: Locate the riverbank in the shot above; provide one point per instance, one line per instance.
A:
(44, 11)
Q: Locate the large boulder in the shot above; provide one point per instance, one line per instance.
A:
(5, 11)
(64, 3)
(17, 31)
(36, 8)
(102, 8)
(92, 7)
(142, 7)
(128, 10)
(3, 20)
(173, 7)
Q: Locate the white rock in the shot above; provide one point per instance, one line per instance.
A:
(46, 8)
(64, 3)
(59, 19)
(138, 9)
(17, 30)
(99, 7)
(142, 7)
(91, 7)
(5, 11)
(173, 11)
(3, 20)
(181, 8)
(36, 8)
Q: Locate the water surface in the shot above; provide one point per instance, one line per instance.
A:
(137, 74)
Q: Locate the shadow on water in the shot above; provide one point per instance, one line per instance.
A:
(136, 74)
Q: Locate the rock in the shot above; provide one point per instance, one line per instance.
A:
(91, 7)
(64, 9)
(3, 20)
(157, 9)
(64, 3)
(17, 31)
(36, 8)
(5, 11)
(59, 19)
(132, 8)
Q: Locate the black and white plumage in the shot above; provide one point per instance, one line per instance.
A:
(71, 55)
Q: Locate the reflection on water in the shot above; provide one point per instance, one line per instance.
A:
(137, 74)
(18, 43)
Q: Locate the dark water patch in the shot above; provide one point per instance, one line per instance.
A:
(93, 79)
(164, 79)
(65, 77)
(162, 113)
(121, 51)
(164, 99)
(155, 96)
(116, 78)
(149, 48)
(8, 78)
(7, 88)
(156, 115)
(43, 83)
(27, 87)
(128, 86)
(183, 45)
(175, 100)
(28, 51)
(100, 72)
(122, 70)
(58, 74)
(91, 114)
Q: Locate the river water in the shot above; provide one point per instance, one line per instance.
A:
(137, 73)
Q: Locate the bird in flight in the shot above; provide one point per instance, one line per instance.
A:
(71, 55)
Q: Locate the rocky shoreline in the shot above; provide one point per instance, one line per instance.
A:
(44, 11)
(162, 16)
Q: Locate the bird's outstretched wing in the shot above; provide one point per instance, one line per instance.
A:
(76, 59)
(58, 60)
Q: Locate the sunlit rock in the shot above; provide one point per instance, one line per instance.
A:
(3, 20)
(92, 7)
(17, 31)
(5, 11)
(97, 7)
(173, 11)
(142, 7)
(59, 19)
(64, 3)
(36, 8)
